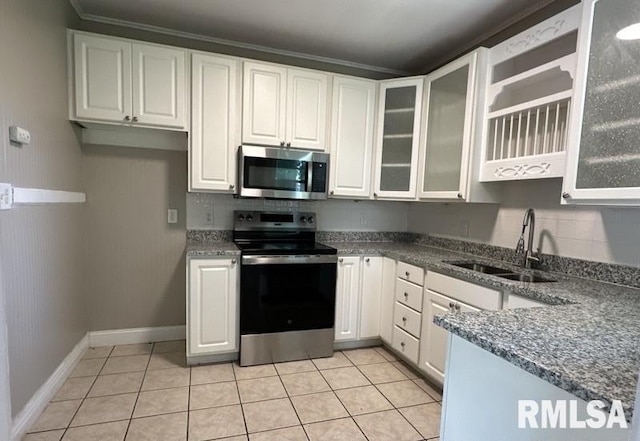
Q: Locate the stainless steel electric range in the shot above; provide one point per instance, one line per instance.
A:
(287, 288)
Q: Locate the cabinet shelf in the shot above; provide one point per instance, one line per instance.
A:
(395, 165)
(529, 105)
(402, 110)
(399, 136)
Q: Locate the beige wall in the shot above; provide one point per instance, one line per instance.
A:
(41, 251)
(135, 267)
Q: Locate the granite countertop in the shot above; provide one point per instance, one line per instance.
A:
(585, 342)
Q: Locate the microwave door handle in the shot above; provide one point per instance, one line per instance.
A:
(309, 176)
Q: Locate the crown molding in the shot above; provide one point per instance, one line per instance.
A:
(235, 44)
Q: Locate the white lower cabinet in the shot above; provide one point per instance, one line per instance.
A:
(362, 294)
(212, 306)
(347, 298)
(443, 295)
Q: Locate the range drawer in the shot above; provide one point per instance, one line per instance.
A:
(411, 273)
(409, 294)
(475, 295)
(406, 344)
(407, 319)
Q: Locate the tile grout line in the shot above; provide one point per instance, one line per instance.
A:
(126, 433)
(235, 378)
(286, 391)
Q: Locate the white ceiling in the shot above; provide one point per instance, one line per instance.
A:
(393, 36)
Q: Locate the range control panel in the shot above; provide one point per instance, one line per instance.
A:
(262, 220)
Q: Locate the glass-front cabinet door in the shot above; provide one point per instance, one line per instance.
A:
(448, 127)
(398, 137)
(604, 141)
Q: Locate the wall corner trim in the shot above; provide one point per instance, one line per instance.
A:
(136, 335)
(32, 410)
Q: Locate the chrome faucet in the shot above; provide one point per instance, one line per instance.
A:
(530, 256)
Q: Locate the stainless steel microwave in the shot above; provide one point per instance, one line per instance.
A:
(272, 172)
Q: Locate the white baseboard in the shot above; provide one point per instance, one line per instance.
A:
(32, 410)
(136, 335)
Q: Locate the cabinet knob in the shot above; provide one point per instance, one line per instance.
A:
(127, 118)
(459, 195)
(404, 319)
(566, 195)
(341, 260)
(457, 307)
(451, 306)
(135, 119)
(231, 187)
(406, 295)
(233, 261)
(331, 192)
(406, 273)
(281, 143)
(288, 144)
(367, 260)
(402, 344)
(375, 195)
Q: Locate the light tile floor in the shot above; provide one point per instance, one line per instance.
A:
(145, 392)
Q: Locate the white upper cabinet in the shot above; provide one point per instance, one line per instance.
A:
(102, 78)
(264, 104)
(396, 164)
(284, 107)
(121, 82)
(604, 153)
(215, 122)
(452, 132)
(352, 130)
(159, 86)
(531, 81)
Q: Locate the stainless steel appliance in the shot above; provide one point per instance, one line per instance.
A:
(271, 172)
(287, 288)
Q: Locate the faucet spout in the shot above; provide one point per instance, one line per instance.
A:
(530, 255)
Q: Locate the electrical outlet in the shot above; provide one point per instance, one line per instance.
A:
(6, 197)
(209, 219)
(172, 216)
(19, 135)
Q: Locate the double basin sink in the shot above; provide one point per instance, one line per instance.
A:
(501, 272)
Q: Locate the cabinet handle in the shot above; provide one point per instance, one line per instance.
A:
(406, 273)
(331, 192)
(234, 261)
(402, 344)
(288, 144)
(375, 195)
(341, 260)
(404, 319)
(406, 295)
(367, 260)
(459, 195)
(135, 119)
(566, 195)
(231, 187)
(127, 118)
(457, 307)
(281, 143)
(451, 306)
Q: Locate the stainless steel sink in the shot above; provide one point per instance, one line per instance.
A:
(502, 272)
(531, 278)
(481, 268)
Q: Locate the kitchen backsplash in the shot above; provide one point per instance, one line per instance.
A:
(206, 211)
(600, 234)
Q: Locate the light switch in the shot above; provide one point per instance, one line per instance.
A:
(172, 216)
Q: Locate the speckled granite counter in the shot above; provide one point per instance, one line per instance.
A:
(586, 342)
(212, 249)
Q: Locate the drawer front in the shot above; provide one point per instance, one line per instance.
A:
(407, 319)
(411, 273)
(406, 344)
(474, 295)
(409, 294)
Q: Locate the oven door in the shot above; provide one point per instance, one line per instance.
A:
(287, 293)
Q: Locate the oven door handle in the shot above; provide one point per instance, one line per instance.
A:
(289, 259)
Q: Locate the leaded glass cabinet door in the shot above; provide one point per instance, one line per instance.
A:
(448, 126)
(604, 146)
(398, 137)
